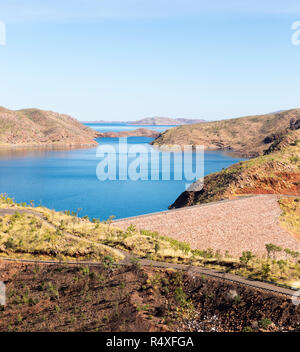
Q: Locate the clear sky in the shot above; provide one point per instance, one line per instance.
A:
(130, 59)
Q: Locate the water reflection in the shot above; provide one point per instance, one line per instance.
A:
(37, 151)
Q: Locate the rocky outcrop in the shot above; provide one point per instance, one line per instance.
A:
(34, 127)
(294, 124)
(276, 172)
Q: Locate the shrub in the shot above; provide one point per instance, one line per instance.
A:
(108, 262)
(180, 296)
(266, 269)
(156, 248)
(10, 243)
(135, 263)
(246, 257)
(265, 323)
(247, 329)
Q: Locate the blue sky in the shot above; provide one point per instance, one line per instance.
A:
(129, 59)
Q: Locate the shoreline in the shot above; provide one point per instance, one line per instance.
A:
(228, 151)
(63, 146)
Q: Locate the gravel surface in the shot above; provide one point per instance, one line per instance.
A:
(235, 226)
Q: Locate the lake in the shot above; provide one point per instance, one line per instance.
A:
(67, 180)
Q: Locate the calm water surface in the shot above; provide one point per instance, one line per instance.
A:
(67, 180)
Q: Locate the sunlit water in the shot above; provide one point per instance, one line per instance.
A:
(67, 180)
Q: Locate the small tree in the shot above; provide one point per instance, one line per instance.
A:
(108, 262)
(135, 263)
(282, 265)
(109, 221)
(269, 249)
(266, 269)
(246, 257)
(276, 249)
(272, 249)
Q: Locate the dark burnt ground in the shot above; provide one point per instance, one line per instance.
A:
(130, 298)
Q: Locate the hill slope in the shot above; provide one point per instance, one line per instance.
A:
(276, 172)
(250, 136)
(38, 127)
(124, 299)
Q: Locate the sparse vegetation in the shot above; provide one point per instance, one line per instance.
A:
(290, 218)
(82, 298)
(39, 233)
(44, 233)
(265, 323)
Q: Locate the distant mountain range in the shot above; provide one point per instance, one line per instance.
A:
(158, 121)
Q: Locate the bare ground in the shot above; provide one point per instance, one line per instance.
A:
(234, 226)
(65, 298)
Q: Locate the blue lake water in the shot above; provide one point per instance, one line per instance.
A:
(66, 179)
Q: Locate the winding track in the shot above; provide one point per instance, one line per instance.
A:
(265, 286)
(65, 233)
(218, 275)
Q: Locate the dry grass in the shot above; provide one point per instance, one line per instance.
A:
(27, 236)
(28, 231)
(290, 218)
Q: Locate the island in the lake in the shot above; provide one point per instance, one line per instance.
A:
(139, 132)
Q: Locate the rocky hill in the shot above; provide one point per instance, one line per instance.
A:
(276, 172)
(31, 127)
(249, 136)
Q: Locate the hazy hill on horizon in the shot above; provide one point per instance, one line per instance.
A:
(152, 121)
